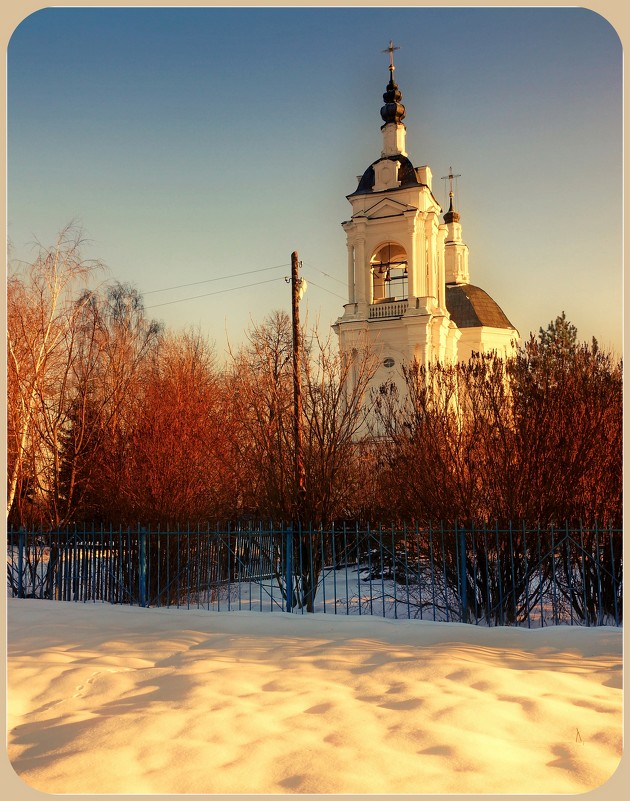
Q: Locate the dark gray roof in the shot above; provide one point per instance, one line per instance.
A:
(471, 307)
(406, 175)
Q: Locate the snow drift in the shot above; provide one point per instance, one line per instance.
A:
(114, 699)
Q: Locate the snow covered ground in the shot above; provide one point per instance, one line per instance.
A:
(112, 699)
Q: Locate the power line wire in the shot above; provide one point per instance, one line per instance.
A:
(218, 292)
(236, 288)
(338, 280)
(312, 283)
(211, 280)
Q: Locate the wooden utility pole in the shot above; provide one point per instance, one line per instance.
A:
(300, 475)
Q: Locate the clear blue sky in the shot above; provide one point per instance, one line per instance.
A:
(195, 143)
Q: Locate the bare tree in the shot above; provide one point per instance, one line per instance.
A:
(261, 391)
(175, 472)
(129, 341)
(334, 390)
(42, 318)
(536, 439)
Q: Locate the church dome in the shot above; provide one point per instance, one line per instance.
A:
(406, 175)
(471, 307)
(393, 110)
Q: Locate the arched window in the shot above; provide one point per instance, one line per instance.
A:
(389, 273)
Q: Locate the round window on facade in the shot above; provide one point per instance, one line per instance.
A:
(388, 362)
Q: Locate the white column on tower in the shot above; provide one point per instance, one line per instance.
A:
(360, 271)
(351, 274)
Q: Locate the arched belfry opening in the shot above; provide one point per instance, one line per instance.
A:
(390, 279)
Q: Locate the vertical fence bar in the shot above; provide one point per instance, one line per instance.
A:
(614, 573)
(275, 569)
(289, 569)
(458, 574)
(394, 576)
(358, 558)
(175, 535)
(101, 556)
(464, 579)
(148, 560)
(21, 542)
(58, 590)
(554, 585)
(99, 560)
(498, 545)
(525, 554)
(382, 568)
(406, 570)
(600, 606)
(158, 561)
(570, 570)
(322, 537)
(98, 564)
(76, 566)
(513, 574)
(142, 567)
(187, 535)
(260, 567)
(300, 589)
(432, 570)
(419, 571)
(86, 584)
(103, 563)
(308, 599)
(540, 578)
(208, 589)
(229, 566)
(198, 564)
(118, 583)
(111, 565)
(249, 566)
(370, 573)
(219, 537)
(345, 572)
(114, 567)
(129, 561)
(444, 575)
(63, 566)
(302, 557)
(238, 550)
(169, 538)
(334, 565)
(67, 572)
(487, 563)
(586, 617)
(473, 545)
(63, 587)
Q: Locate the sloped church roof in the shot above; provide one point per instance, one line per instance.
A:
(471, 307)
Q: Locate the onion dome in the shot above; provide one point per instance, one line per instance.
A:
(393, 110)
(451, 215)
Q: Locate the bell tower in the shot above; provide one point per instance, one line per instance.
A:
(396, 266)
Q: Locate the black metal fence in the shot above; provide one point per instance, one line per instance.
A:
(490, 576)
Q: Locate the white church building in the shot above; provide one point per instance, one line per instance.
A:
(409, 290)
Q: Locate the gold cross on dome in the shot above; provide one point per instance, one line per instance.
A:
(450, 177)
(390, 50)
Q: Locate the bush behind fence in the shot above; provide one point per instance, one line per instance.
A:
(492, 576)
